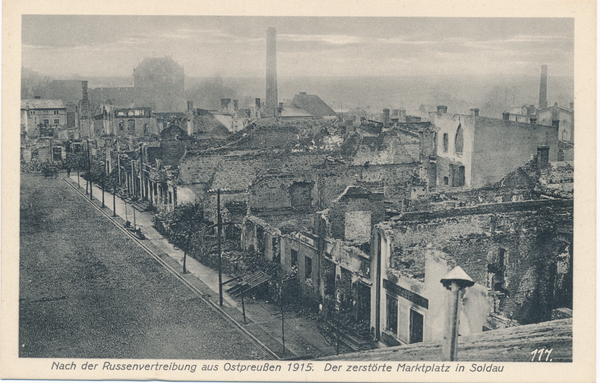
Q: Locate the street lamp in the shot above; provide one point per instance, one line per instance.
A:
(456, 281)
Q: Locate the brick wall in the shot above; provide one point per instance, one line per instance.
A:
(528, 241)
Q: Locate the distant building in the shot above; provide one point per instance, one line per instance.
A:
(39, 114)
(159, 83)
(523, 113)
(313, 105)
(561, 118)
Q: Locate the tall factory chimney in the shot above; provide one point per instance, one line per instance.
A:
(84, 90)
(271, 100)
(543, 104)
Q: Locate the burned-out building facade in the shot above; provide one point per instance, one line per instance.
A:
(473, 151)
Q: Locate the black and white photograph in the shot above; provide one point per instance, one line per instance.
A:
(299, 197)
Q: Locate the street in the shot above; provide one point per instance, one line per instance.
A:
(88, 291)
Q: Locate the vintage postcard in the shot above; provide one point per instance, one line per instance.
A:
(339, 191)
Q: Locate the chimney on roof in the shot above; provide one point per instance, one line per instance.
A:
(257, 103)
(555, 124)
(84, 88)
(235, 104)
(543, 103)
(533, 120)
(505, 116)
(441, 109)
(386, 117)
(190, 105)
(543, 153)
(271, 101)
(475, 112)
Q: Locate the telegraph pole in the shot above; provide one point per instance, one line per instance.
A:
(219, 246)
(89, 167)
(114, 201)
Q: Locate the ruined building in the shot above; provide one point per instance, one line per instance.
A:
(473, 151)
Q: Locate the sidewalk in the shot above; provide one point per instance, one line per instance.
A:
(263, 319)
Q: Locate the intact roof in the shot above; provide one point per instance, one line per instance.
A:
(42, 104)
(290, 111)
(556, 107)
(312, 104)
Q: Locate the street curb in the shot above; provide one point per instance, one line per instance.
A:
(195, 284)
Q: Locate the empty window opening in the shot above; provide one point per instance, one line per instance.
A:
(307, 268)
(445, 143)
(392, 314)
(497, 278)
(459, 141)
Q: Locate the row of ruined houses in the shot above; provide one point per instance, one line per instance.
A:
(371, 231)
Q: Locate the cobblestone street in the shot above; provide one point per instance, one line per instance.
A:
(88, 291)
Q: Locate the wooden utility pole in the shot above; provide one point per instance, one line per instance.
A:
(282, 320)
(89, 167)
(219, 246)
(114, 201)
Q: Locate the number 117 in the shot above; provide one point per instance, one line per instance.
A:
(541, 353)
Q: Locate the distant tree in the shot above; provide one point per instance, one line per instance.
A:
(33, 84)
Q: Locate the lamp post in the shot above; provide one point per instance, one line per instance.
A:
(456, 281)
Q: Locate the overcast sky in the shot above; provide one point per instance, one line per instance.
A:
(63, 46)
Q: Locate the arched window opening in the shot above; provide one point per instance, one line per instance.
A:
(459, 140)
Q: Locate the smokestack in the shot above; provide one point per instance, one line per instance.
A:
(442, 109)
(271, 101)
(505, 116)
(543, 104)
(475, 112)
(84, 88)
